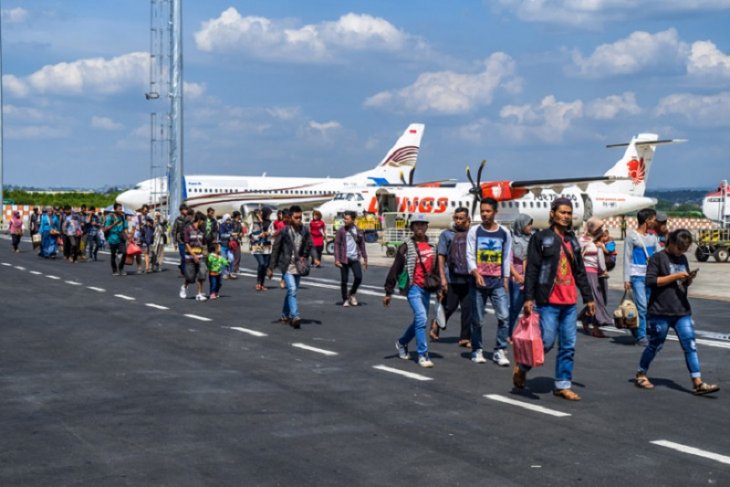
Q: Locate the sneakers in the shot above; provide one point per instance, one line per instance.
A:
(353, 300)
(402, 350)
(296, 323)
(201, 297)
(183, 292)
(213, 296)
(519, 377)
(566, 394)
(478, 357)
(346, 303)
(425, 362)
(499, 357)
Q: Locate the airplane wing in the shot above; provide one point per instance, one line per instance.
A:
(559, 185)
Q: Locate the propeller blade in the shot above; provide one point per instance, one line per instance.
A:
(479, 173)
(468, 175)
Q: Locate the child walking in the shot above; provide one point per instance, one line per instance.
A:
(216, 264)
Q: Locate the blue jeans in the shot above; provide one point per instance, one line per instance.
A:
(658, 328)
(500, 301)
(516, 300)
(262, 261)
(558, 322)
(215, 283)
(290, 309)
(419, 299)
(181, 251)
(641, 298)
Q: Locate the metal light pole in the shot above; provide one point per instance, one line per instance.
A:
(175, 174)
(2, 178)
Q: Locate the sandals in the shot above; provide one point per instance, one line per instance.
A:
(596, 332)
(642, 382)
(704, 388)
(567, 394)
(433, 333)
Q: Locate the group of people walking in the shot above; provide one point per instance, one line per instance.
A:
(546, 272)
(519, 271)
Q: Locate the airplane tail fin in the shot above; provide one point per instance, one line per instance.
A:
(635, 164)
(400, 161)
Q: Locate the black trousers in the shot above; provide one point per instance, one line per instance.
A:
(120, 249)
(345, 275)
(457, 296)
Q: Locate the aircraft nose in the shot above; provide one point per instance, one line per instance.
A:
(130, 199)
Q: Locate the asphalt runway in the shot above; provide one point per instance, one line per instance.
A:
(117, 381)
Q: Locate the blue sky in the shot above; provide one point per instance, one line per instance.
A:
(323, 88)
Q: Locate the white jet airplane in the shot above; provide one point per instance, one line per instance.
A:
(227, 193)
(716, 205)
(620, 190)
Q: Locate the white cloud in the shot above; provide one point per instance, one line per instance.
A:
(610, 107)
(105, 123)
(284, 113)
(17, 15)
(85, 76)
(547, 120)
(284, 40)
(706, 59)
(448, 92)
(40, 132)
(24, 114)
(705, 110)
(589, 14)
(34, 123)
(637, 52)
(193, 90)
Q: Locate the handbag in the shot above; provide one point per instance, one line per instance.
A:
(527, 341)
(36, 238)
(627, 314)
(431, 281)
(133, 249)
(302, 265)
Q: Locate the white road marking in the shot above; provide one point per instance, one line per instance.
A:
(156, 306)
(531, 407)
(73, 283)
(196, 317)
(97, 289)
(410, 375)
(36, 273)
(313, 349)
(672, 337)
(693, 451)
(20, 268)
(7, 264)
(55, 278)
(702, 341)
(124, 296)
(250, 332)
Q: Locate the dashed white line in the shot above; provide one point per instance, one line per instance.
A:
(410, 375)
(7, 264)
(524, 405)
(196, 317)
(36, 273)
(55, 278)
(250, 332)
(97, 289)
(156, 306)
(303, 346)
(690, 450)
(703, 341)
(20, 267)
(124, 296)
(73, 283)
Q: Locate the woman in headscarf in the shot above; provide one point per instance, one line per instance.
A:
(224, 236)
(261, 239)
(16, 229)
(50, 229)
(521, 233)
(594, 260)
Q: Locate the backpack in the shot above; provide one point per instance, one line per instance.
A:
(456, 259)
(626, 315)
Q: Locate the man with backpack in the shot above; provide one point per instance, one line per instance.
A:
(115, 229)
(349, 252)
(488, 254)
(554, 276)
(290, 254)
(178, 227)
(639, 246)
(454, 272)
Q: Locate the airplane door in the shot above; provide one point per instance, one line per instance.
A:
(386, 202)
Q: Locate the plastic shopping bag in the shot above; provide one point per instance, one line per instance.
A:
(527, 341)
(441, 316)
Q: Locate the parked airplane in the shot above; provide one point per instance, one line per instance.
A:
(229, 193)
(619, 191)
(716, 205)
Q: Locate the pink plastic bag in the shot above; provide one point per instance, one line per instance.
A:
(527, 341)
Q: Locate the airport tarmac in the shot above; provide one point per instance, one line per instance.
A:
(117, 381)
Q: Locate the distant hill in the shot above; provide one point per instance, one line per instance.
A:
(679, 201)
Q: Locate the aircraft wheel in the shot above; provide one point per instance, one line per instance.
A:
(330, 248)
